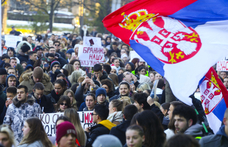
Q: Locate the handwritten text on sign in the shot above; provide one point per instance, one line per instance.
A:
(222, 66)
(90, 55)
(48, 120)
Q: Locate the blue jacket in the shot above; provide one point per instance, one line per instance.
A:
(218, 140)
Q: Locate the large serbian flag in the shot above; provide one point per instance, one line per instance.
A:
(214, 99)
(180, 39)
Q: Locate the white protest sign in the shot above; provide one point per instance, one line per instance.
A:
(133, 55)
(92, 41)
(90, 55)
(222, 65)
(11, 40)
(48, 120)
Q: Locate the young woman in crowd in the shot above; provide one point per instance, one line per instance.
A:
(7, 136)
(90, 101)
(73, 102)
(135, 136)
(116, 111)
(75, 120)
(152, 127)
(77, 66)
(60, 86)
(34, 134)
(63, 103)
(115, 80)
(108, 86)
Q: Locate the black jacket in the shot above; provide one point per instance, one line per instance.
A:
(45, 104)
(119, 131)
(157, 111)
(23, 58)
(54, 97)
(79, 96)
(94, 133)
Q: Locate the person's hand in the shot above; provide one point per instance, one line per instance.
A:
(132, 86)
(87, 129)
(86, 80)
(8, 102)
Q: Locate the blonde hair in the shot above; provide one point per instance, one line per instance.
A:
(72, 114)
(7, 130)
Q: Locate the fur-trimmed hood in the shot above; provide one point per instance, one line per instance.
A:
(30, 100)
(28, 77)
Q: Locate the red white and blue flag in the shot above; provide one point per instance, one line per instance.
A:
(180, 39)
(214, 99)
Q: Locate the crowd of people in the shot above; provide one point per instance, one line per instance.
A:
(132, 105)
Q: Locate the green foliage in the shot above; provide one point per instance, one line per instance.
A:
(38, 22)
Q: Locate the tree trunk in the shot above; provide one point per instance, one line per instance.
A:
(51, 16)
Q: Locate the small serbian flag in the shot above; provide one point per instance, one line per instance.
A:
(214, 99)
(180, 39)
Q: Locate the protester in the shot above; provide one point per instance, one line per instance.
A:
(116, 111)
(63, 103)
(34, 134)
(7, 136)
(135, 136)
(73, 102)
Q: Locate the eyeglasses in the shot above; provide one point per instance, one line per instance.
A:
(57, 44)
(93, 114)
(64, 104)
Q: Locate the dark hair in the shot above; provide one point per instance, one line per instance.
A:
(91, 94)
(116, 58)
(38, 86)
(11, 68)
(114, 43)
(152, 127)
(118, 104)
(61, 82)
(141, 98)
(165, 106)
(75, 60)
(64, 118)
(114, 78)
(23, 86)
(7, 65)
(62, 99)
(182, 140)
(130, 111)
(74, 87)
(108, 83)
(50, 55)
(97, 67)
(61, 75)
(31, 53)
(102, 111)
(124, 44)
(161, 83)
(65, 72)
(56, 42)
(136, 128)
(107, 68)
(187, 112)
(141, 67)
(125, 83)
(12, 90)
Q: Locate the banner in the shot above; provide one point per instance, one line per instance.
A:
(92, 41)
(222, 65)
(49, 119)
(11, 40)
(90, 55)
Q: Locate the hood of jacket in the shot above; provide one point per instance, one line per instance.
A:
(30, 100)
(107, 124)
(221, 131)
(28, 77)
(11, 75)
(195, 130)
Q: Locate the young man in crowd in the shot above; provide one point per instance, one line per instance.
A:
(22, 108)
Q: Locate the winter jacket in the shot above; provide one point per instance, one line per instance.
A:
(54, 97)
(61, 60)
(2, 110)
(17, 113)
(79, 96)
(218, 140)
(101, 128)
(195, 130)
(37, 143)
(23, 58)
(45, 104)
(119, 131)
(28, 81)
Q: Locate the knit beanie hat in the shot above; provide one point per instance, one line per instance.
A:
(107, 140)
(70, 51)
(54, 62)
(3, 71)
(132, 65)
(38, 72)
(101, 91)
(64, 128)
